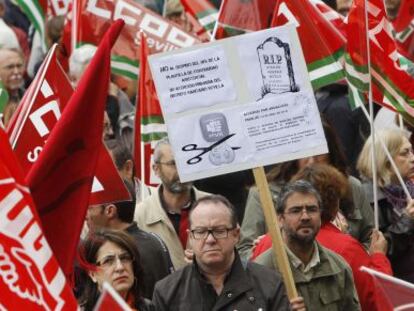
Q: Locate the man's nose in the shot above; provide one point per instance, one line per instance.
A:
(210, 238)
(305, 214)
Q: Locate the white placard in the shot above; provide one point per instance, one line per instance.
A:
(266, 112)
(194, 79)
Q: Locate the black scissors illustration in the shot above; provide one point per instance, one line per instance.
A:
(204, 150)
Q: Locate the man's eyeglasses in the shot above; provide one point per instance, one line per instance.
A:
(168, 163)
(217, 233)
(110, 260)
(311, 210)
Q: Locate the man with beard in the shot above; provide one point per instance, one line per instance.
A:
(322, 278)
(165, 211)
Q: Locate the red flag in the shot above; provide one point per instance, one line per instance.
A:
(404, 29)
(331, 15)
(149, 122)
(110, 300)
(96, 16)
(404, 16)
(322, 44)
(61, 179)
(240, 16)
(31, 278)
(49, 93)
(392, 86)
(398, 293)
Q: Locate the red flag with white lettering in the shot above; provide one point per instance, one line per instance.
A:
(95, 17)
(110, 300)
(30, 278)
(398, 294)
(49, 93)
(149, 122)
(61, 179)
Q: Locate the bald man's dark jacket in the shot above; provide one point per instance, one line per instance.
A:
(248, 286)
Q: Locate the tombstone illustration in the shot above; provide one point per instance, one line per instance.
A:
(276, 67)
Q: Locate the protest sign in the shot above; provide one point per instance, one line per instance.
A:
(238, 103)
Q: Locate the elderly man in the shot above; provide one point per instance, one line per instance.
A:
(11, 72)
(217, 279)
(322, 278)
(165, 211)
(11, 76)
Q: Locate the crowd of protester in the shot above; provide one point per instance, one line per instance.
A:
(205, 245)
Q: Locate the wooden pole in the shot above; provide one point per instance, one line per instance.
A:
(272, 224)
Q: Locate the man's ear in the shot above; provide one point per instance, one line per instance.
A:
(111, 211)
(156, 169)
(281, 220)
(237, 233)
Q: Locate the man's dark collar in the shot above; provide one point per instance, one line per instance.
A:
(201, 276)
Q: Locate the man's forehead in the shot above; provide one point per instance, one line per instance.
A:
(166, 152)
(207, 211)
(9, 55)
(299, 198)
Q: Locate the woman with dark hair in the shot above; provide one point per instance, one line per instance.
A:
(355, 217)
(113, 258)
(332, 186)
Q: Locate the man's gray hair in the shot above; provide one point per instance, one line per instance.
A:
(299, 186)
(157, 149)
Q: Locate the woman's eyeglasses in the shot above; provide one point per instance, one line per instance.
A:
(110, 260)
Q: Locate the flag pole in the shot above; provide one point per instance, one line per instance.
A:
(74, 24)
(213, 35)
(371, 119)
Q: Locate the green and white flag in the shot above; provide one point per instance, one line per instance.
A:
(4, 97)
(36, 11)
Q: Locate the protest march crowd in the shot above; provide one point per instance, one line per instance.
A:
(93, 214)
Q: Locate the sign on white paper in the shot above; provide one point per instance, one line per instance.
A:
(264, 111)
